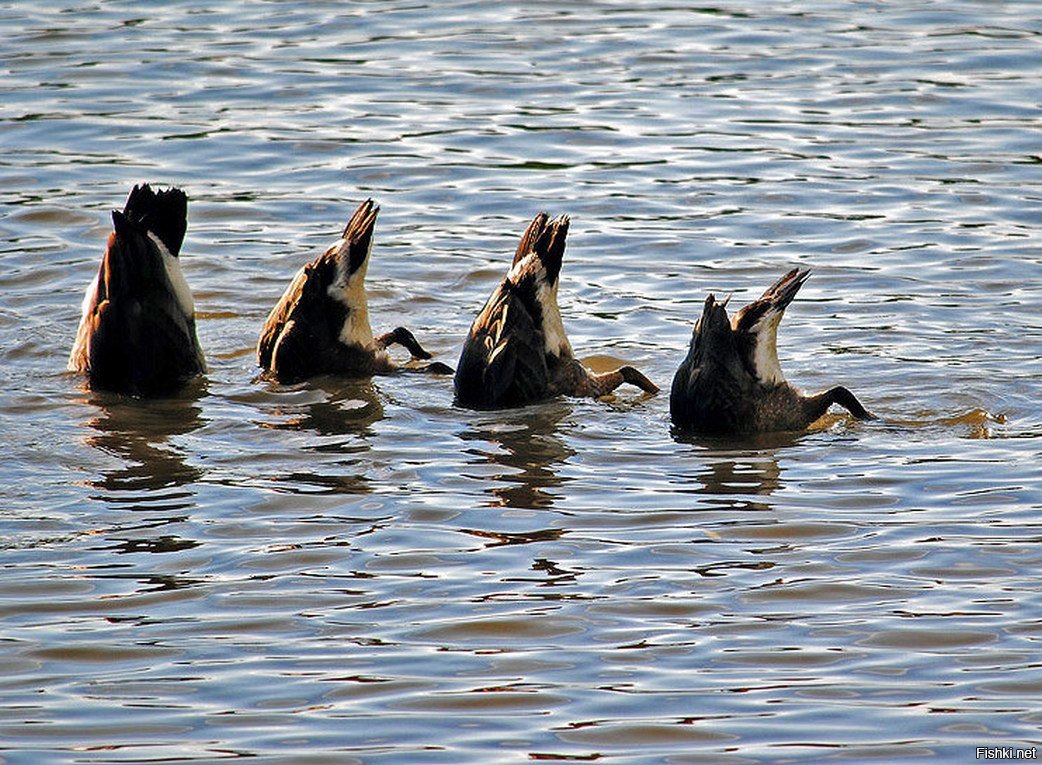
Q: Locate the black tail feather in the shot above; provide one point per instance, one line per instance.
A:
(164, 213)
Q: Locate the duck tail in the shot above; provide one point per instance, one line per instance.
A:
(783, 291)
(772, 304)
(164, 213)
(358, 233)
(530, 237)
(550, 246)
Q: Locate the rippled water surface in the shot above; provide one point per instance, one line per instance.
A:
(358, 571)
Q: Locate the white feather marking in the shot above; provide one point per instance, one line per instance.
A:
(182, 293)
(765, 351)
(80, 355)
(89, 296)
(286, 329)
(519, 268)
(499, 324)
(553, 328)
(349, 290)
(556, 341)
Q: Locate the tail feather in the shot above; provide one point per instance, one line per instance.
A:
(549, 247)
(164, 213)
(530, 237)
(756, 327)
(358, 234)
(782, 292)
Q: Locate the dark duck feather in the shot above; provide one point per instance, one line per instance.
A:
(517, 351)
(320, 325)
(731, 381)
(137, 334)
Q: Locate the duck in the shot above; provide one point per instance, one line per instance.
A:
(320, 325)
(731, 381)
(137, 332)
(517, 351)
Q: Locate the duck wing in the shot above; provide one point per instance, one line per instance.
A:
(503, 362)
(303, 325)
(712, 390)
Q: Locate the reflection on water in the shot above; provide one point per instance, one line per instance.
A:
(734, 467)
(755, 474)
(973, 423)
(525, 443)
(140, 432)
(332, 407)
(153, 480)
(338, 415)
(497, 538)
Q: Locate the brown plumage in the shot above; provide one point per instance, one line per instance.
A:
(731, 380)
(517, 351)
(320, 325)
(137, 333)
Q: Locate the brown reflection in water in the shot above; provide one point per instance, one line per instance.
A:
(530, 450)
(740, 466)
(500, 539)
(153, 474)
(138, 432)
(345, 407)
(342, 411)
(160, 544)
(973, 423)
(548, 572)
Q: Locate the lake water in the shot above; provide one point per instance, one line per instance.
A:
(342, 572)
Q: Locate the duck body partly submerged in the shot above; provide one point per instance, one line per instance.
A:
(320, 325)
(137, 332)
(517, 351)
(731, 381)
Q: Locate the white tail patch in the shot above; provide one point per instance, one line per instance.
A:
(765, 351)
(174, 275)
(556, 341)
(553, 328)
(349, 290)
(79, 358)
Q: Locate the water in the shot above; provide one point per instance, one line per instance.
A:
(357, 571)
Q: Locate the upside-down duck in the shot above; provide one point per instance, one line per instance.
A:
(320, 325)
(137, 333)
(517, 351)
(731, 381)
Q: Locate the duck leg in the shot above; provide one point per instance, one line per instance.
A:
(596, 385)
(434, 368)
(819, 403)
(403, 337)
(634, 376)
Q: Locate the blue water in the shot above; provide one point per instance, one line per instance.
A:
(348, 571)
